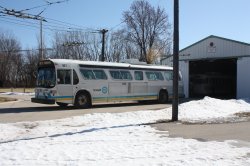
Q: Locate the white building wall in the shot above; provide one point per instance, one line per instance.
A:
(243, 77)
(221, 49)
(184, 69)
(168, 61)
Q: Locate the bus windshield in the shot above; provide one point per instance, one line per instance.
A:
(46, 77)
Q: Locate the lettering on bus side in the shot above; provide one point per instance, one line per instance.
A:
(104, 90)
(97, 90)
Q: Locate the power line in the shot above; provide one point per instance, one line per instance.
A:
(30, 25)
(26, 50)
(46, 5)
(19, 14)
(111, 29)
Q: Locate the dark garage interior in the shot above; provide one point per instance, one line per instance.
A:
(214, 78)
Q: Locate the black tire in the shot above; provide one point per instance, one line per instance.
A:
(82, 100)
(163, 97)
(62, 104)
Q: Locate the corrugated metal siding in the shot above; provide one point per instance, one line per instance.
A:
(243, 78)
(223, 49)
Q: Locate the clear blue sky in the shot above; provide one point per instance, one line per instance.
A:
(198, 18)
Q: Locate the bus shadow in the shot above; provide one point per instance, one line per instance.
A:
(72, 108)
(125, 104)
(32, 109)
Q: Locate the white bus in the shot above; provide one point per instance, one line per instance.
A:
(83, 83)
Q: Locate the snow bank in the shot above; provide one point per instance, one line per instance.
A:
(212, 110)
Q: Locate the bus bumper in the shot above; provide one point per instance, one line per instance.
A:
(42, 101)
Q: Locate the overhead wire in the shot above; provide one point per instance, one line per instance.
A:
(46, 5)
(111, 29)
(52, 24)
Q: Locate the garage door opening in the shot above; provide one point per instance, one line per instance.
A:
(214, 78)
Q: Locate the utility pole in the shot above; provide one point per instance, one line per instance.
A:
(41, 39)
(103, 31)
(21, 14)
(175, 62)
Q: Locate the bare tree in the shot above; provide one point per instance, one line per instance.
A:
(10, 59)
(29, 68)
(146, 25)
(120, 47)
(76, 45)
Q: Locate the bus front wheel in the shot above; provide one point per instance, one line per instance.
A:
(82, 100)
(163, 97)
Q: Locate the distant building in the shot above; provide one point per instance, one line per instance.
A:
(215, 66)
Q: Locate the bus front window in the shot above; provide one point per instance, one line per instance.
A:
(46, 77)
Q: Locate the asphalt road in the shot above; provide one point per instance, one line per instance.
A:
(24, 110)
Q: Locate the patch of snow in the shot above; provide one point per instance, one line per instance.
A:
(18, 93)
(122, 139)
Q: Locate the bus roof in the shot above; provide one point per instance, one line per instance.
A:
(108, 64)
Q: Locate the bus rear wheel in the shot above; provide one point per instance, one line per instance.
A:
(82, 100)
(62, 104)
(163, 97)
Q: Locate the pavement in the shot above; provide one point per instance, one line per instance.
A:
(23, 110)
(207, 132)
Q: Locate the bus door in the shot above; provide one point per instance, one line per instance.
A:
(118, 91)
(139, 86)
(64, 86)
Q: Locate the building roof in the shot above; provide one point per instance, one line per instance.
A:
(213, 36)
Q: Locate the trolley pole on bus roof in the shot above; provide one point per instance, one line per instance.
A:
(175, 62)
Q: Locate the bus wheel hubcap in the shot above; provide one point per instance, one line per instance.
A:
(82, 100)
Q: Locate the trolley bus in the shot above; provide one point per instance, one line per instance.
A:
(83, 83)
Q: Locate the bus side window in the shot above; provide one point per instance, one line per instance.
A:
(126, 75)
(87, 74)
(151, 76)
(115, 74)
(138, 75)
(168, 75)
(100, 74)
(159, 76)
(75, 78)
(63, 76)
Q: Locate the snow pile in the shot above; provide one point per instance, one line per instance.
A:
(212, 110)
(121, 139)
(18, 93)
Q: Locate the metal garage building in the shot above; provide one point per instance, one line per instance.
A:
(216, 67)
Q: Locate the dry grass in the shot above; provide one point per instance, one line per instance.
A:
(22, 90)
(5, 99)
(243, 114)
